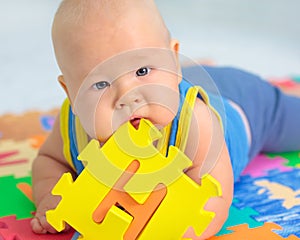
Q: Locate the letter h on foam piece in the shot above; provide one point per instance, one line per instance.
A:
(128, 190)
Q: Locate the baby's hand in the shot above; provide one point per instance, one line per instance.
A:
(39, 223)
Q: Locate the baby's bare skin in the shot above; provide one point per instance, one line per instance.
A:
(83, 40)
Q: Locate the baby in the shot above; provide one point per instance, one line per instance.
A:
(119, 64)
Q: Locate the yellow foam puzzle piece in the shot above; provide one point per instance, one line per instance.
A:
(129, 144)
(181, 208)
(79, 200)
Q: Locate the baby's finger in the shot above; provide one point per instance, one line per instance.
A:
(46, 225)
(37, 227)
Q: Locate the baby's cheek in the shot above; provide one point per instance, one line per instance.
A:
(162, 114)
(103, 125)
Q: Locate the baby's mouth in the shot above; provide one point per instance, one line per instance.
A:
(135, 122)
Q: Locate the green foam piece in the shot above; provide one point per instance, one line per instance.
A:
(239, 216)
(12, 200)
(296, 78)
(293, 158)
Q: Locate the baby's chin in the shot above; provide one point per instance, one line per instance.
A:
(159, 126)
(102, 140)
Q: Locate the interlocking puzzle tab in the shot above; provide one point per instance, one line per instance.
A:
(129, 190)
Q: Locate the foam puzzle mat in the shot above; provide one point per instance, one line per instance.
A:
(266, 202)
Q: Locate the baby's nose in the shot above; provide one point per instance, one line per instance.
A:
(130, 99)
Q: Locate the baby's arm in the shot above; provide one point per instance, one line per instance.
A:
(206, 136)
(47, 168)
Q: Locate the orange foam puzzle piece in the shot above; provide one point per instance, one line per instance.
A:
(141, 212)
(264, 232)
(26, 189)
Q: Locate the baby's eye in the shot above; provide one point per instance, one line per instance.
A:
(143, 71)
(101, 85)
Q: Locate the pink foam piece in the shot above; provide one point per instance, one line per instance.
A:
(283, 82)
(261, 164)
(12, 229)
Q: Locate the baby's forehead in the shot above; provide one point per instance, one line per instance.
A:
(86, 36)
(109, 29)
(80, 11)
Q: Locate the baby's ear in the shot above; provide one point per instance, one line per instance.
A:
(174, 45)
(62, 82)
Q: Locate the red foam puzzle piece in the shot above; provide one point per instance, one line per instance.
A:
(12, 229)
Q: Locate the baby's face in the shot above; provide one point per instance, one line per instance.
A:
(115, 75)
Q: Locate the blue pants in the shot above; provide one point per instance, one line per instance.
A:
(273, 116)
